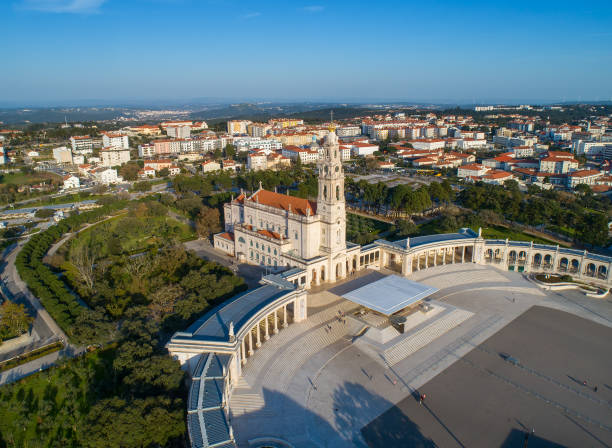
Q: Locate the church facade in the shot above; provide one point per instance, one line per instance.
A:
(279, 231)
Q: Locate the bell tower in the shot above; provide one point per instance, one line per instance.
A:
(330, 201)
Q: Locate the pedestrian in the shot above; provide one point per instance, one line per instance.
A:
(395, 382)
(584, 383)
(423, 396)
(595, 389)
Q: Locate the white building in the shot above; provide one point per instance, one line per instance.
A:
(470, 143)
(305, 155)
(146, 150)
(179, 131)
(590, 149)
(278, 230)
(71, 182)
(363, 149)
(210, 165)
(348, 131)
(78, 159)
(257, 161)
(471, 170)
(62, 155)
(114, 156)
(428, 144)
(3, 158)
(106, 176)
(115, 140)
(82, 144)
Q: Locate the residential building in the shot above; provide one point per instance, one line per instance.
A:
(146, 150)
(496, 177)
(471, 143)
(428, 144)
(179, 130)
(174, 170)
(146, 173)
(237, 127)
(558, 162)
(229, 165)
(114, 156)
(82, 144)
(115, 140)
(71, 182)
(210, 165)
(285, 122)
(258, 129)
(257, 161)
(158, 164)
(348, 131)
(471, 170)
(106, 176)
(587, 177)
(305, 155)
(62, 155)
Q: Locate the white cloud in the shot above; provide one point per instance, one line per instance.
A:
(67, 6)
(313, 8)
(250, 15)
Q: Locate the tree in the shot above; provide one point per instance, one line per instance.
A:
(208, 221)
(83, 259)
(163, 300)
(164, 172)
(584, 189)
(14, 320)
(142, 186)
(230, 151)
(129, 171)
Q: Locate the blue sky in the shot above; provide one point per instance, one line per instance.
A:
(63, 51)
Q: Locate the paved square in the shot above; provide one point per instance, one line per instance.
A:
(483, 400)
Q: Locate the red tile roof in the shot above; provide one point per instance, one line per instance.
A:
(284, 202)
(227, 236)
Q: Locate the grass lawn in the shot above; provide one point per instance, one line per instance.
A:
(19, 178)
(501, 233)
(133, 234)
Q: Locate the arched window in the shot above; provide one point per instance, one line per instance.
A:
(240, 239)
(337, 192)
(251, 243)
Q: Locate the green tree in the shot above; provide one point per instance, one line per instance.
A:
(230, 151)
(208, 221)
(14, 320)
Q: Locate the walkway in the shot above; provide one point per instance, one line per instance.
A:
(312, 387)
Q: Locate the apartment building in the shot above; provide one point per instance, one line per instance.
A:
(114, 156)
(62, 155)
(115, 140)
(82, 144)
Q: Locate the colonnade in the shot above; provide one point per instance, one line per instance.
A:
(270, 323)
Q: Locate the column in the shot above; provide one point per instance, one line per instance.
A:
(275, 321)
(444, 257)
(285, 323)
(258, 343)
(250, 343)
(242, 353)
(267, 335)
(462, 254)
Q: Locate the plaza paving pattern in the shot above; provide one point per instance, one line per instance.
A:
(312, 387)
(485, 401)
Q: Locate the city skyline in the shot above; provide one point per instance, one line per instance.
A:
(70, 51)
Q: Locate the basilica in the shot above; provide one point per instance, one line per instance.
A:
(279, 231)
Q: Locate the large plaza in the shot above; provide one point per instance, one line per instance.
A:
(316, 383)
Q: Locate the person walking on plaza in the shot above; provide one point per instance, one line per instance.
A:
(422, 399)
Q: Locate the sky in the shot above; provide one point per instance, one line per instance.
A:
(68, 51)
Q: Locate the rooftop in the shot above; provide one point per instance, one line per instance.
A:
(390, 294)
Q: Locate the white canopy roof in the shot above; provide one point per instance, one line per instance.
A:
(390, 294)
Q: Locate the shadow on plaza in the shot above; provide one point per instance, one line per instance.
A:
(356, 283)
(517, 438)
(352, 406)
